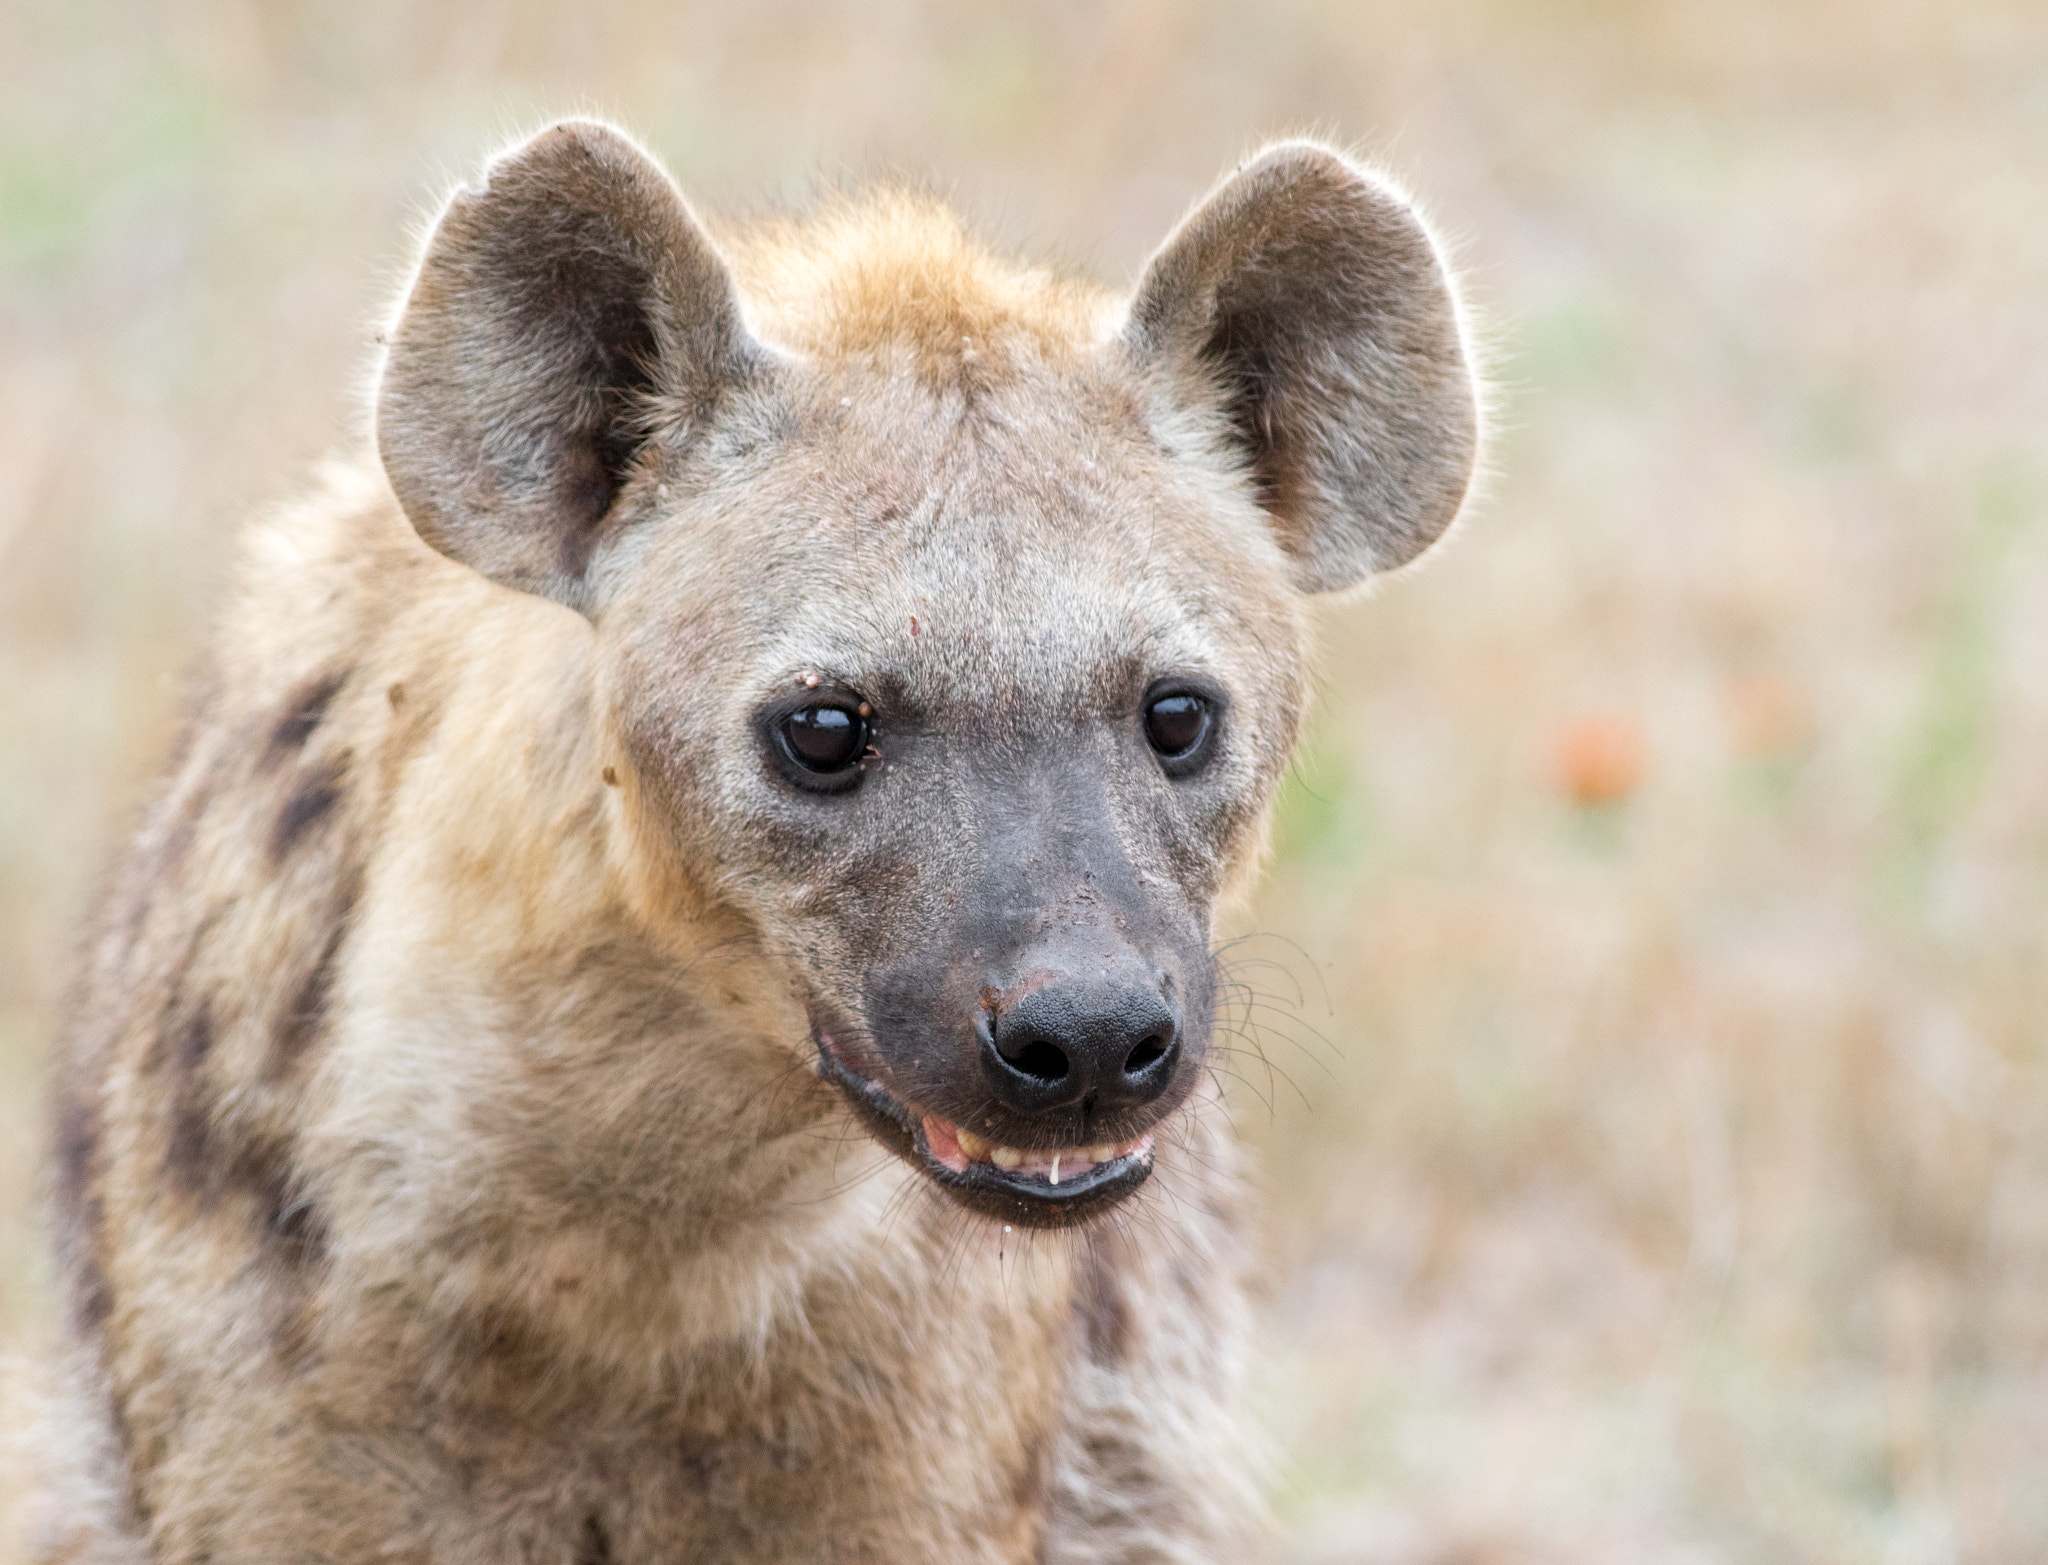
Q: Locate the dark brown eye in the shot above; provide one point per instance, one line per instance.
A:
(825, 739)
(1176, 725)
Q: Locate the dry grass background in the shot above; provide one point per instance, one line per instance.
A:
(1666, 883)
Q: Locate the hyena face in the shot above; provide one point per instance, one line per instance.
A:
(976, 741)
(950, 618)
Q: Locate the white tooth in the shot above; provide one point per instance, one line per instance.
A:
(1005, 1157)
(1055, 1168)
(972, 1144)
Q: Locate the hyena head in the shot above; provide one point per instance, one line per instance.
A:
(949, 616)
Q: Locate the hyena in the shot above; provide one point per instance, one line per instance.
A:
(663, 1010)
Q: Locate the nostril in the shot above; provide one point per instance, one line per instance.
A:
(1065, 1043)
(1148, 1052)
(1039, 1060)
(1026, 1064)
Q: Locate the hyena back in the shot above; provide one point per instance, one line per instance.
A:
(661, 1010)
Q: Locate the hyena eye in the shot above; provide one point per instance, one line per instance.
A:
(1177, 726)
(825, 740)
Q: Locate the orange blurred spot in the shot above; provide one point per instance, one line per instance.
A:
(1600, 759)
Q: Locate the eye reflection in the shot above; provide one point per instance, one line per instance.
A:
(825, 739)
(1176, 724)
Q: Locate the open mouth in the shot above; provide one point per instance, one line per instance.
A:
(1036, 1187)
(960, 1149)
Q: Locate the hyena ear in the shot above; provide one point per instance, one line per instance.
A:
(1305, 300)
(558, 305)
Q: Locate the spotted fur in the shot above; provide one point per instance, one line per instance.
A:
(442, 1167)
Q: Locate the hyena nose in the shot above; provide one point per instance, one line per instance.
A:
(1055, 1046)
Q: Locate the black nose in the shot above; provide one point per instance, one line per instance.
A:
(1107, 1047)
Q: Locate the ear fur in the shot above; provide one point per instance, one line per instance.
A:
(1304, 299)
(555, 306)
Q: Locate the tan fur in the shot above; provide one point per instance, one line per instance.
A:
(892, 270)
(444, 1172)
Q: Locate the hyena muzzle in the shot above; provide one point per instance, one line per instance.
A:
(680, 866)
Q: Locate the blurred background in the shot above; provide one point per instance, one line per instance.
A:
(1650, 980)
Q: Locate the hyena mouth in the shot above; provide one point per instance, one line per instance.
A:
(1041, 1188)
(960, 1149)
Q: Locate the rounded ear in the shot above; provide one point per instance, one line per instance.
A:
(561, 310)
(1304, 300)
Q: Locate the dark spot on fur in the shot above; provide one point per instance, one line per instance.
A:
(698, 1459)
(91, 1298)
(80, 1218)
(1099, 1304)
(297, 1240)
(195, 1042)
(396, 696)
(302, 714)
(259, 1165)
(595, 1546)
(78, 1140)
(214, 1159)
(81, 1211)
(183, 1037)
(311, 801)
(298, 1231)
(188, 1142)
(1033, 1481)
(503, 1358)
(304, 1018)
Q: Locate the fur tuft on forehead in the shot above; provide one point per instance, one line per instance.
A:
(873, 276)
